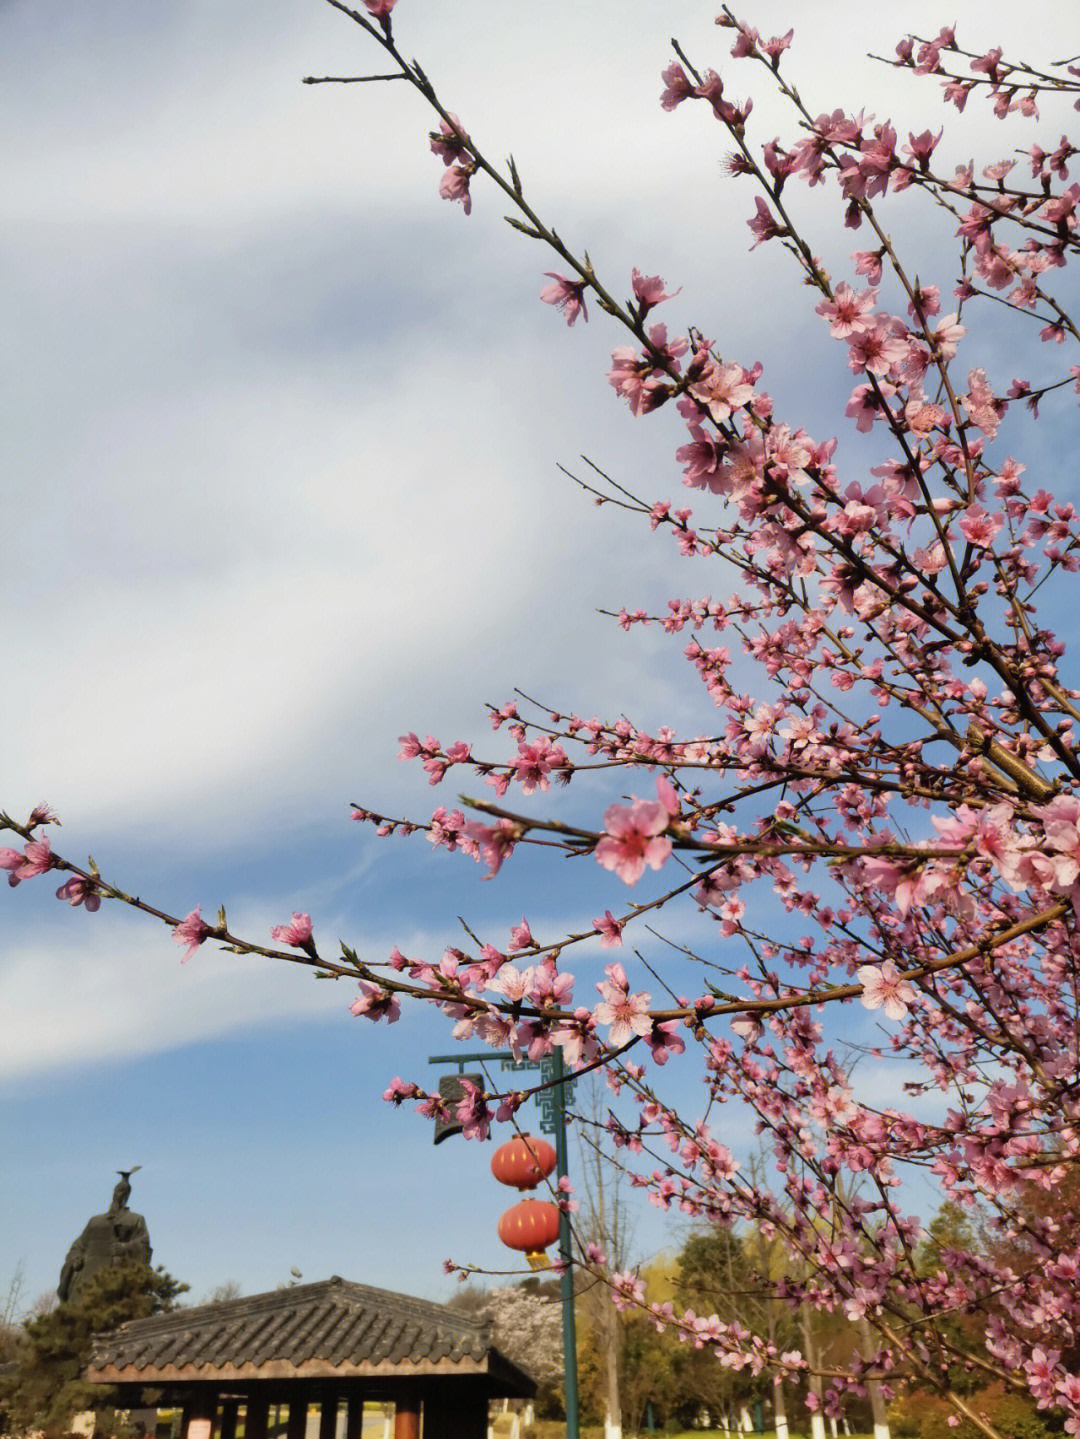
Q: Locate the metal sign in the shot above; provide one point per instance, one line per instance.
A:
(547, 1100)
(452, 1091)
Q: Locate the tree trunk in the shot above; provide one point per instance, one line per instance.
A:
(873, 1388)
(780, 1423)
(817, 1419)
(612, 1398)
(606, 1224)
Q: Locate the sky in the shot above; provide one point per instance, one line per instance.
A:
(280, 452)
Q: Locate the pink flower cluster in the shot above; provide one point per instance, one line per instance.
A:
(191, 932)
(35, 859)
(634, 836)
(297, 933)
(451, 144)
(627, 1014)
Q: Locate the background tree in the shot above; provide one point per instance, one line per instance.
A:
(714, 1275)
(1023, 1240)
(528, 1330)
(654, 1375)
(958, 1238)
(46, 1388)
(953, 1236)
(223, 1292)
(603, 1222)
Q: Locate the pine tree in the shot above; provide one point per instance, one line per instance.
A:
(52, 1350)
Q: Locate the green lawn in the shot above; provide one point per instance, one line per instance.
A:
(554, 1429)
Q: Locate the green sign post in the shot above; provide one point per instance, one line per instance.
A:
(551, 1101)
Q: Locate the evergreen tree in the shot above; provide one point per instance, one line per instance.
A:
(53, 1350)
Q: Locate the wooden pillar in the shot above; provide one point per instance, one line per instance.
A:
(229, 1408)
(297, 1426)
(354, 1424)
(256, 1418)
(456, 1411)
(407, 1417)
(328, 1407)
(199, 1414)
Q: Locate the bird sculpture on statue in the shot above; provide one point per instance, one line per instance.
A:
(122, 1192)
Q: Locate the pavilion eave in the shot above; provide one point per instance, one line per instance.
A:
(154, 1374)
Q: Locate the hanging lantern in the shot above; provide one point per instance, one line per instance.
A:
(530, 1227)
(523, 1161)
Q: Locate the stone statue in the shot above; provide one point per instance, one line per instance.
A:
(115, 1237)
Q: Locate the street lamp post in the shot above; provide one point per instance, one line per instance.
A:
(552, 1104)
(566, 1279)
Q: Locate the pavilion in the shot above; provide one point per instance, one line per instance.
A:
(333, 1344)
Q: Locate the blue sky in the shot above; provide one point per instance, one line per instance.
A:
(280, 483)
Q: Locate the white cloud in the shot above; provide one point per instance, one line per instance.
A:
(124, 993)
(329, 577)
(75, 995)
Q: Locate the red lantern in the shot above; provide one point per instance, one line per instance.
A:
(530, 1226)
(523, 1161)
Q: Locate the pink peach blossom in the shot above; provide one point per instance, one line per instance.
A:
(566, 294)
(80, 891)
(884, 987)
(634, 838)
(454, 184)
(376, 1003)
(665, 1040)
(35, 859)
(677, 86)
(609, 929)
(521, 935)
(296, 933)
(191, 931)
(649, 290)
(449, 142)
(978, 527)
(627, 1014)
(722, 389)
(493, 842)
(764, 225)
(848, 312)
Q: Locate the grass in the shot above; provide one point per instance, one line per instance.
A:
(556, 1429)
(546, 1429)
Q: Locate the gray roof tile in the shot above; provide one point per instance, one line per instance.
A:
(333, 1322)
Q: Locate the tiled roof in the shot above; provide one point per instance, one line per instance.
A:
(330, 1328)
